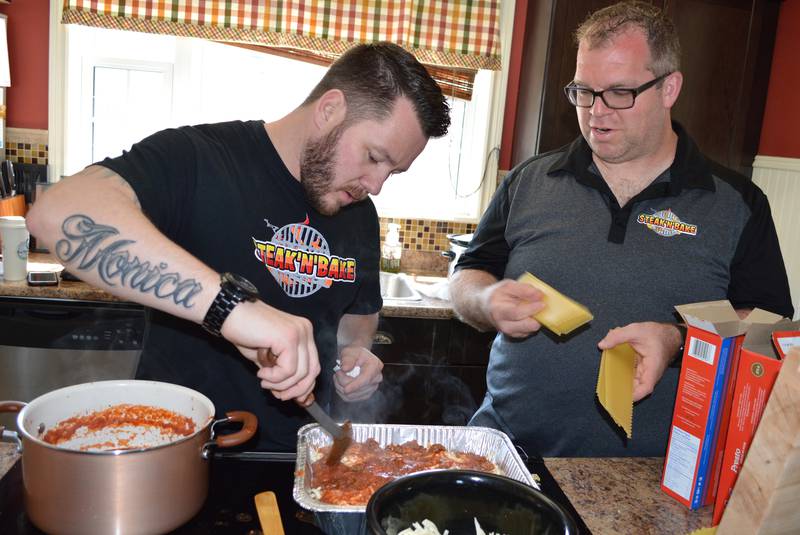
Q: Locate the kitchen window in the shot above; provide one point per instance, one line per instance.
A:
(121, 86)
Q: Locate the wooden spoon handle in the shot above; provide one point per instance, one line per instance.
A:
(268, 513)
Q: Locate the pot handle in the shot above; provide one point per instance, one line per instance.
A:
(249, 425)
(11, 406)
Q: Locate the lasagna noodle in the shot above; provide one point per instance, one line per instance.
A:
(561, 314)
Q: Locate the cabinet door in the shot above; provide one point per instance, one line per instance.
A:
(559, 124)
(727, 53)
(726, 56)
(434, 373)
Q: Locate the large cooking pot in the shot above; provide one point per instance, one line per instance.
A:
(458, 244)
(148, 489)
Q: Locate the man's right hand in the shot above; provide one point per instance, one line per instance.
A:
(254, 325)
(482, 301)
(510, 306)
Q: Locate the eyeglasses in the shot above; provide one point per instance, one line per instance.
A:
(617, 98)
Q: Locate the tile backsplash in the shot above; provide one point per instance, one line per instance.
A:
(424, 241)
(425, 234)
(24, 145)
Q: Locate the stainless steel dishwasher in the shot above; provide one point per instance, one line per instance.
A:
(46, 344)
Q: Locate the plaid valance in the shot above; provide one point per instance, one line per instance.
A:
(458, 34)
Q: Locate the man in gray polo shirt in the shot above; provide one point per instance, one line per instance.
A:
(630, 219)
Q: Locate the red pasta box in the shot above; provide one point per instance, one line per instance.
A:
(694, 456)
(785, 341)
(760, 360)
(756, 317)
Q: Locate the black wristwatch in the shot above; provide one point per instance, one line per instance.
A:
(678, 359)
(233, 290)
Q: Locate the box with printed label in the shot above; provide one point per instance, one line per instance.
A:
(699, 422)
(762, 354)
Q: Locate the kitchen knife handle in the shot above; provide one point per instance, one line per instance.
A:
(268, 359)
(12, 178)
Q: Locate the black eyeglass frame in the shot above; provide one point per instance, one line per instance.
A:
(635, 92)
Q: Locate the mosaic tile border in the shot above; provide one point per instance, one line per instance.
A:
(425, 234)
(25, 145)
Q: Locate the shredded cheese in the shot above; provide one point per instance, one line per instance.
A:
(426, 527)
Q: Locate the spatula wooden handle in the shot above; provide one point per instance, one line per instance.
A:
(268, 513)
(267, 359)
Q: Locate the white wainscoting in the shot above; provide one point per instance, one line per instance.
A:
(779, 178)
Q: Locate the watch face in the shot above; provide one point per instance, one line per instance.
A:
(241, 283)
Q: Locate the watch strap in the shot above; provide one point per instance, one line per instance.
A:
(227, 298)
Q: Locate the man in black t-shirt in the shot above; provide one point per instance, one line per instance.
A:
(261, 233)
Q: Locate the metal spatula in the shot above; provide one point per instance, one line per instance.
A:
(342, 435)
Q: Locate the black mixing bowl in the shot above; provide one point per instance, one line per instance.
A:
(451, 499)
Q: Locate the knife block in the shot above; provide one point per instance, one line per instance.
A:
(14, 205)
(764, 499)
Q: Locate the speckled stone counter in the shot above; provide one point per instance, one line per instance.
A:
(623, 496)
(8, 456)
(427, 307)
(75, 290)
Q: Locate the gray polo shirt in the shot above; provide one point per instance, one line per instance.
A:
(699, 232)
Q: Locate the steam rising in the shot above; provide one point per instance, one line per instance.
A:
(418, 391)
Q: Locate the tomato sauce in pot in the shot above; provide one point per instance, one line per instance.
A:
(123, 426)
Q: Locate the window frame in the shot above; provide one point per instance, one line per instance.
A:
(58, 111)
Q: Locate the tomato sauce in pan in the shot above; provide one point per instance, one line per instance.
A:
(164, 421)
(366, 466)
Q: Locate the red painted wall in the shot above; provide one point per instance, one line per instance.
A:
(28, 30)
(782, 113)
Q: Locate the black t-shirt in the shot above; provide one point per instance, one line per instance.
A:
(221, 192)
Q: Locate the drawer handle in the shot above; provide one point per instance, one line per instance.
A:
(382, 338)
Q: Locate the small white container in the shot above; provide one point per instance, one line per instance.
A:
(14, 237)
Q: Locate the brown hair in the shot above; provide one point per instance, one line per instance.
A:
(605, 24)
(373, 76)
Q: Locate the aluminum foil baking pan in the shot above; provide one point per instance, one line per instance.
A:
(491, 443)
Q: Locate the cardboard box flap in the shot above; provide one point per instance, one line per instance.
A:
(758, 315)
(717, 317)
(759, 336)
(720, 317)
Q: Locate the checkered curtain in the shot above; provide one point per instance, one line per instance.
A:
(452, 35)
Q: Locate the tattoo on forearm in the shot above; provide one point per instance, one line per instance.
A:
(83, 243)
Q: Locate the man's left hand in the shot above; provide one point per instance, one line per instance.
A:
(656, 345)
(364, 384)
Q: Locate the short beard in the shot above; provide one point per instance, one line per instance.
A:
(316, 170)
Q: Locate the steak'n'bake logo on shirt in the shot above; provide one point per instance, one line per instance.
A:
(666, 223)
(301, 261)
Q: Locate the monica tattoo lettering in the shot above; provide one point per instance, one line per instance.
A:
(96, 246)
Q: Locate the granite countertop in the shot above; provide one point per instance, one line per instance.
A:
(8, 456)
(74, 290)
(611, 495)
(427, 307)
(622, 495)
